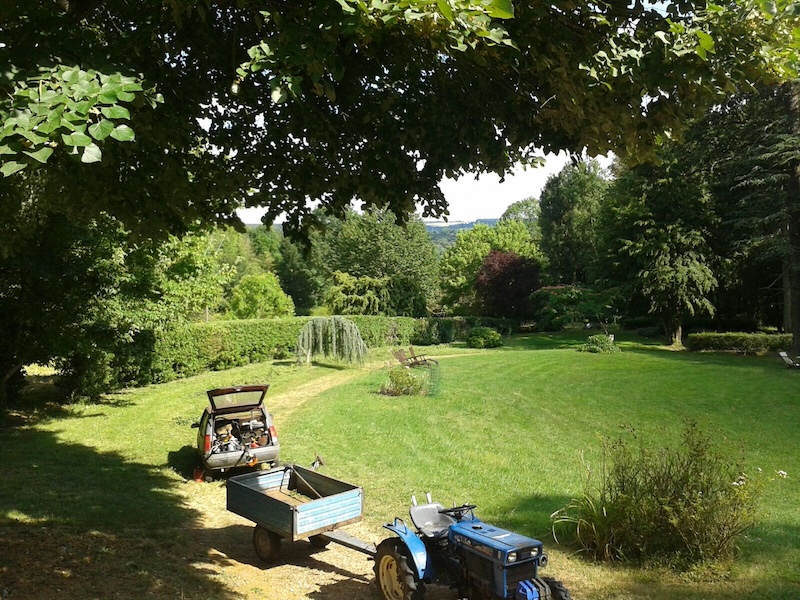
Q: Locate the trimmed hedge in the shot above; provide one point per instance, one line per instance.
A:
(739, 342)
(190, 349)
(220, 345)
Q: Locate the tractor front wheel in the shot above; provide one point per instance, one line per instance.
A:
(557, 589)
(395, 578)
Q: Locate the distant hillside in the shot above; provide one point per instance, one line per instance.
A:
(457, 225)
(444, 234)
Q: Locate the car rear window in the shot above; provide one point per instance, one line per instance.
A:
(237, 399)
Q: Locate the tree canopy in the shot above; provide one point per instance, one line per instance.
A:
(166, 114)
(569, 205)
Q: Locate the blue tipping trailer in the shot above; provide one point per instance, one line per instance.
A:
(293, 503)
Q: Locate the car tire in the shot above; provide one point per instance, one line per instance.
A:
(267, 544)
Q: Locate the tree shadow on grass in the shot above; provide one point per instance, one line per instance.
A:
(348, 589)
(77, 523)
(766, 363)
(184, 461)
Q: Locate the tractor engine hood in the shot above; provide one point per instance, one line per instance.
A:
(500, 545)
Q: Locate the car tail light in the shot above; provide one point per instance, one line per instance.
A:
(207, 445)
(273, 434)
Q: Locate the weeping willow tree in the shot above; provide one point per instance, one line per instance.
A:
(331, 337)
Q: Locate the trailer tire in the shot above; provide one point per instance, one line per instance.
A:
(557, 589)
(396, 580)
(318, 541)
(267, 544)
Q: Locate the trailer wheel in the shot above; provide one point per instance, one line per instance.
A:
(395, 578)
(267, 544)
(318, 541)
(557, 589)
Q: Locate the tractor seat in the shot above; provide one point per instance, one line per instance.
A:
(429, 521)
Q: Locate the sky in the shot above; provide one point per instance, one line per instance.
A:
(471, 199)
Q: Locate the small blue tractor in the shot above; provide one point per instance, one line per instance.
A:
(453, 547)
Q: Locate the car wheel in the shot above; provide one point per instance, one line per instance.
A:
(267, 544)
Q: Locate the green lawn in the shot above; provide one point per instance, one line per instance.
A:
(510, 430)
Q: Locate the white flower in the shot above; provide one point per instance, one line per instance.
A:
(782, 474)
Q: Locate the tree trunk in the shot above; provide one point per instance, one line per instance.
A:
(786, 321)
(673, 330)
(3, 401)
(793, 222)
(5, 376)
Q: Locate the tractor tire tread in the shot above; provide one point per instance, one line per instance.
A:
(414, 589)
(557, 589)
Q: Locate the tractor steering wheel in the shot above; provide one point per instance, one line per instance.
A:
(458, 512)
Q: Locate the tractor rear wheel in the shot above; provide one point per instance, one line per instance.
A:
(557, 589)
(395, 578)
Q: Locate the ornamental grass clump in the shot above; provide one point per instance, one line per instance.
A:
(681, 505)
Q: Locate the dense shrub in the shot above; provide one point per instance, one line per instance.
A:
(555, 307)
(403, 381)
(599, 344)
(681, 505)
(259, 296)
(739, 342)
(484, 337)
(735, 324)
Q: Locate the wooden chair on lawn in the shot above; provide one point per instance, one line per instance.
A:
(420, 359)
(790, 364)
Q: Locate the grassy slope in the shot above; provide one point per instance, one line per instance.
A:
(507, 432)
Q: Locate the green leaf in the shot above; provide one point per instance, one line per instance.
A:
(445, 9)
(126, 96)
(70, 76)
(91, 154)
(101, 130)
(115, 112)
(278, 95)
(346, 7)
(42, 154)
(11, 167)
(706, 41)
(501, 9)
(76, 139)
(330, 91)
(123, 133)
